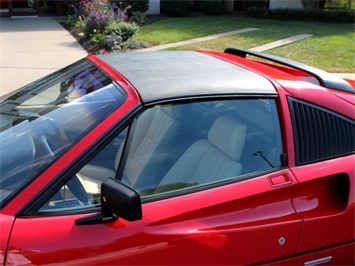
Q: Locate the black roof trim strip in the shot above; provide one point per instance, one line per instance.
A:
(324, 78)
(204, 97)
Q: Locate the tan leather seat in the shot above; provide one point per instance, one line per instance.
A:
(209, 160)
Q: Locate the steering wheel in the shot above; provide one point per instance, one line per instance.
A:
(78, 190)
(48, 131)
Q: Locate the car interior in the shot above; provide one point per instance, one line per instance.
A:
(174, 147)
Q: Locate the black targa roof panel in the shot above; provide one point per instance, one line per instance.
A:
(185, 74)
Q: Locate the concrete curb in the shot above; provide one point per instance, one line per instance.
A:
(281, 42)
(202, 39)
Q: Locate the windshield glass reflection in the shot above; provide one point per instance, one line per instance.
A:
(44, 119)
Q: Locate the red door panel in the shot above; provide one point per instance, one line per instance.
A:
(246, 222)
(324, 198)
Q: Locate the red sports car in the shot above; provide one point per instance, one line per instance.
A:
(191, 158)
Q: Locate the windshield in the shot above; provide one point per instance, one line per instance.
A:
(44, 119)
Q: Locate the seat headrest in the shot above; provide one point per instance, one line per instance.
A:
(228, 135)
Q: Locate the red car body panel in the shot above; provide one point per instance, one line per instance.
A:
(345, 96)
(316, 198)
(239, 222)
(287, 217)
(324, 199)
(5, 232)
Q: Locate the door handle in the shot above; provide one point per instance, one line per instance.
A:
(280, 180)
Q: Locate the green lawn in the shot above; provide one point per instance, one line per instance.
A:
(331, 48)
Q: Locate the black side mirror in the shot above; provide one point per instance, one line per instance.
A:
(120, 200)
(117, 200)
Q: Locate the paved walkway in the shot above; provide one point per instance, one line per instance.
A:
(33, 47)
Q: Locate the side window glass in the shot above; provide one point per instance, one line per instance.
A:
(175, 147)
(83, 189)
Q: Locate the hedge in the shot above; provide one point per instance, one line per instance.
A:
(213, 7)
(329, 16)
(176, 8)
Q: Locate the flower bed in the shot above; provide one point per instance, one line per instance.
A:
(102, 27)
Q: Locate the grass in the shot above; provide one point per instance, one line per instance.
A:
(331, 47)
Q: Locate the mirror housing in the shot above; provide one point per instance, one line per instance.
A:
(120, 200)
(117, 201)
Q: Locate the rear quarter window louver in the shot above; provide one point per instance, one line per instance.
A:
(320, 134)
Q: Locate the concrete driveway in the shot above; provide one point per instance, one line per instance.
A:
(33, 47)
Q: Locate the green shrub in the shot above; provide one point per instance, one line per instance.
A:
(96, 37)
(138, 17)
(96, 21)
(132, 45)
(319, 15)
(178, 8)
(214, 7)
(80, 24)
(71, 19)
(124, 29)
